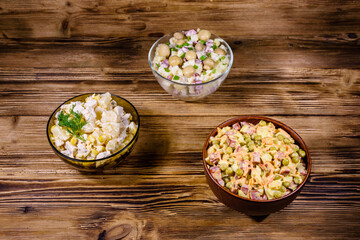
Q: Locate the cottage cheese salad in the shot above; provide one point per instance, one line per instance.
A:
(258, 162)
(93, 129)
(191, 57)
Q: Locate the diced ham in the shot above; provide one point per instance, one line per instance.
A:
(216, 173)
(184, 49)
(214, 158)
(236, 126)
(235, 188)
(280, 155)
(284, 171)
(255, 195)
(264, 197)
(231, 142)
(244, 123)
(245, 189)
(256, 157)
(303, 172)
(242, 165)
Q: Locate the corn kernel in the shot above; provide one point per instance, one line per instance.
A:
(91, 138)
(94, 152)
(97, 97)
(102, 139)
(101, 148)
(73, 140)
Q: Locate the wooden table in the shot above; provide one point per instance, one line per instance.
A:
(295, 61)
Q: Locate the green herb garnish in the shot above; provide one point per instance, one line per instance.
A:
(173, 49)
(167, 43)
(188, 38)
(224, 63)
(203, 42)
(214, 70)
(182, 56)
(203, 57)
(176, 77)
(186, 44)
(222, 58)
(190, 48)
(214, 47)
(73, 122)
(157, 65)
(196, 66)
(204, 73)
(166, 70)
(179, 46)
(209, 54)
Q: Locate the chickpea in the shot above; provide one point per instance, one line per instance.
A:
(163, 50)
(190, 55)
(179, 35)
(220, 51)
(209, 64)
(175, 60)
(180, 42)
(204, 35)
(199, 46)
(188, 71)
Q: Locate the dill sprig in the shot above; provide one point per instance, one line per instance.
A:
(73, 122)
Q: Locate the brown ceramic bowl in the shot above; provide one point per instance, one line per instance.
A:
(245, 205)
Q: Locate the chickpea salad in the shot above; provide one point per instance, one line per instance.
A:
(191, 57)
(258, 162)
(93, 129)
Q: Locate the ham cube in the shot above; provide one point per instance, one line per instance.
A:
(214, 158)
(244, 123)
(238, 149)
(231, 142)
(216, 173)
(245, 189)
(256, 157)
(255, 195)
(236, 126)
(284, 171)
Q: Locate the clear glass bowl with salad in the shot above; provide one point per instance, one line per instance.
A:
(190, 65)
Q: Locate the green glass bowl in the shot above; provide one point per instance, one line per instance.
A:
(102, 163)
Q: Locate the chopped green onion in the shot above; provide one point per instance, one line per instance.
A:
(204, 73)
(196, 66)
(167, 70)
(222, 58)
(224, 63)
(176, 77)
(203, 42)
(157, 65)
(203, 57)
(167, 43)
(179, 46)
(188, 38)
(214, 70)
(209, 54)
(186, 44)
(190, 48)
(182, 56)
(173, 49)
(214, 47)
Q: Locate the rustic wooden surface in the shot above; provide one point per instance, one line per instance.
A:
(295, 61)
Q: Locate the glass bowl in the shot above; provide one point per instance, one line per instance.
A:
(102, 163)
(183, 91)
(249, 206)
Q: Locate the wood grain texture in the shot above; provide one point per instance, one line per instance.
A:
(295, 61)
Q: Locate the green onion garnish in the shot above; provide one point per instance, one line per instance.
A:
(209, 54)
(204, 73)
(182, 56)
(188, 38)
(214, 70)
(167, 70)
(190, 48)
(214, 47)
(203, 57)
(203, 42)
(222, 58)
(176, 77)
(167, 43)
(173, 49)
(196, 66)
(186, 44)
(224, 64)
(157, 65)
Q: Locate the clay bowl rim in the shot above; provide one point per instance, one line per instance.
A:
(257, 117)
(94, 160)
